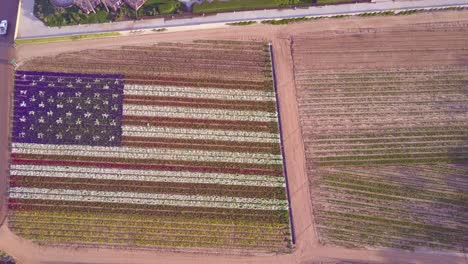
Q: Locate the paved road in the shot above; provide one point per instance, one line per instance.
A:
(31, 27)
(8, 11)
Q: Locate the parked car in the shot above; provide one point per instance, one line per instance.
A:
(3, 27)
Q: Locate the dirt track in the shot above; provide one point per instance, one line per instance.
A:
(307, 249)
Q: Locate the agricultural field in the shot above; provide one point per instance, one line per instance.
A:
(384, 118)
(175, 145)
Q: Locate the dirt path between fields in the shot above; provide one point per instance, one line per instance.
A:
(307, 249)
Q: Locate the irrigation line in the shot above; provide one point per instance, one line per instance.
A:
(291, 222)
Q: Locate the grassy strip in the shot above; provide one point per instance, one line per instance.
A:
(237, 5)
(243, 23)
(286, 21)
(66, 38)
(368, 14)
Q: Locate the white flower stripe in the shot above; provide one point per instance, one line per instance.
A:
(136, 150)
(146, 175)
(148, 198)
(190, 110)
(237, 97)
(116, 177)
(191, 131)
(201, 137)
(145, 153)
(206, 92)
(198, 113)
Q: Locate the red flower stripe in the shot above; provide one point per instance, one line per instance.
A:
(210, 145)
(203, 103)
(205, 125)
(198, 100)
(239, 124)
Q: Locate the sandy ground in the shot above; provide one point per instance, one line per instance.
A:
(7, 52)
(5, 72)
(307, 249)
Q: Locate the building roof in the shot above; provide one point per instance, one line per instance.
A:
(62, 3)
(88, 6)
(112, 4)
(135, 4)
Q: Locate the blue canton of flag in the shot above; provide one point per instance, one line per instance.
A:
(67, 108)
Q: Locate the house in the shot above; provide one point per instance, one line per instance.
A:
(88, 6)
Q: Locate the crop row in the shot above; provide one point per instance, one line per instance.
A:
(146, 198)
(199, 134)
(392, 208)
(146, 153)
(145, 175)
(454, 198)
(368, 128)
(430, 183)
(157, 231)
(144, 239)
(205, 189)
(104, 241)
(148, 221)
(183, 213)
(136, 68)
(202, 167)
(206, 92)
(197, 113)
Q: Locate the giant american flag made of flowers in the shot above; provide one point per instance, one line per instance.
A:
(90, 149)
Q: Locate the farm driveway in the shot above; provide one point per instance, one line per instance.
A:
(7, 52)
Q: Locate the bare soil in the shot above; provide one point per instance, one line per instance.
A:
(308, 249)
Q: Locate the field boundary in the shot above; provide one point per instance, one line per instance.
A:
(66, 38)
(291, 219)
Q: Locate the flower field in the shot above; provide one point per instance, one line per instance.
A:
(385, 132)
(174, 146)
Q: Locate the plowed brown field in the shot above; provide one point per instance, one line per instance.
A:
(384, 122)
